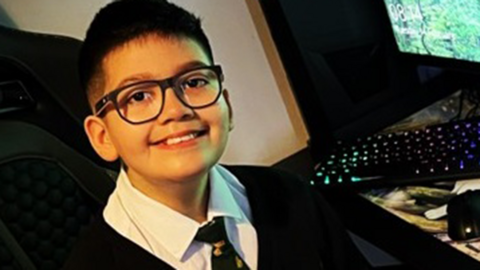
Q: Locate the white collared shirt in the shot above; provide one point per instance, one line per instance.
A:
(169, 235)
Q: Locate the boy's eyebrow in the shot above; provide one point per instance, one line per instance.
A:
(149, 76)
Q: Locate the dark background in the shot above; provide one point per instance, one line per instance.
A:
(348, 76)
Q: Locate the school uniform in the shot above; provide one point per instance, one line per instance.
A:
(273, 220)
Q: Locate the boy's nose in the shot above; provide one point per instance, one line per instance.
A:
(173, 108)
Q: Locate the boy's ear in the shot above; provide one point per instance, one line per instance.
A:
(226, 96)
(99, 138)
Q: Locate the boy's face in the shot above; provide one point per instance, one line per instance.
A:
(143, 147)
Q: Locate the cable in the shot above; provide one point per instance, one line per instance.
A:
(473, 97)
(460, 107)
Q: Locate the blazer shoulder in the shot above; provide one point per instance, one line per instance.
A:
(274, 188)
(262, 173)
(93, 249)
(101, 247)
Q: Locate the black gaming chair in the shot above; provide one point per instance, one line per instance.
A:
(51, 181)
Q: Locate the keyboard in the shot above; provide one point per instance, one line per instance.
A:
(449, 151)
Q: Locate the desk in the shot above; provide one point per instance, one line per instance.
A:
(399, 227)
(405, 241)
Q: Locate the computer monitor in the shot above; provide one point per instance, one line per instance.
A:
(442, 28)
(348, 76)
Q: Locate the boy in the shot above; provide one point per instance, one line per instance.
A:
(159, 106)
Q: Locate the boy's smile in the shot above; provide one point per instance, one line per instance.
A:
(181, 144)
(181, 139)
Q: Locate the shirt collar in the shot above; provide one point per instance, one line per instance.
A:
(221, 202)
(174, 231)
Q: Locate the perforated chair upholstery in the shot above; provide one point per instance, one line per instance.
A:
(12, 256)
(46, 196)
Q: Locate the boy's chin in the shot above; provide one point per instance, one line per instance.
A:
(181, 174)
(181, 168)
(189, 174)
(189, 166)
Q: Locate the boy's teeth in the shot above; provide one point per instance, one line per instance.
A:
(181, 139)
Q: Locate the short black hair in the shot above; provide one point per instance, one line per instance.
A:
(124, 20)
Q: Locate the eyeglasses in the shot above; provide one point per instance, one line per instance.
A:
(143, 101)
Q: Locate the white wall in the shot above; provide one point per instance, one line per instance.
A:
(264, 132)
(65, 17)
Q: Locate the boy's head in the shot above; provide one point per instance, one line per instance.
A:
(157, 97)
(125, 20)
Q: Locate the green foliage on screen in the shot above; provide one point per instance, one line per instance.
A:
(443, 28)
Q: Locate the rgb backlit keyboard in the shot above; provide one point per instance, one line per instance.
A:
(448, 151)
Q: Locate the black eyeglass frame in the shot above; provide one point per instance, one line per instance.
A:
(164, 85)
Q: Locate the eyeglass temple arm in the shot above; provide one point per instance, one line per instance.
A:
(101, 105)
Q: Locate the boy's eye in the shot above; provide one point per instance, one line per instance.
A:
(194, 83)
(139, 96)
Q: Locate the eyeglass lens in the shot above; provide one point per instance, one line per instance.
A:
(143, 101)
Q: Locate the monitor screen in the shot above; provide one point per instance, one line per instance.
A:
(348, 76)
(440, 28)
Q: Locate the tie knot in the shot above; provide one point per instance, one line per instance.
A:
(224, 256)
(212, 232)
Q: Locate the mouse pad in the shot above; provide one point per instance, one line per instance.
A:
(414, 204)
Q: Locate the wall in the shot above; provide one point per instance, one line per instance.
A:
(268, 126)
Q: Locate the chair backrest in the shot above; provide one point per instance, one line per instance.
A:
(45, 67)
(51, 181)
(12, 255)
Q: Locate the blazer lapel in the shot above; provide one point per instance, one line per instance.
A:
(265, 202)
(130, 256)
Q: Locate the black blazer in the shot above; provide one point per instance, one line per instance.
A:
(295, 228)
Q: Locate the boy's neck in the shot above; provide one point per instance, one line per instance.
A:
(189, 198)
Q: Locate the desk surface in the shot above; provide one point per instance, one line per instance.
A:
(394, 218)
(404, 240)
(410, 203)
